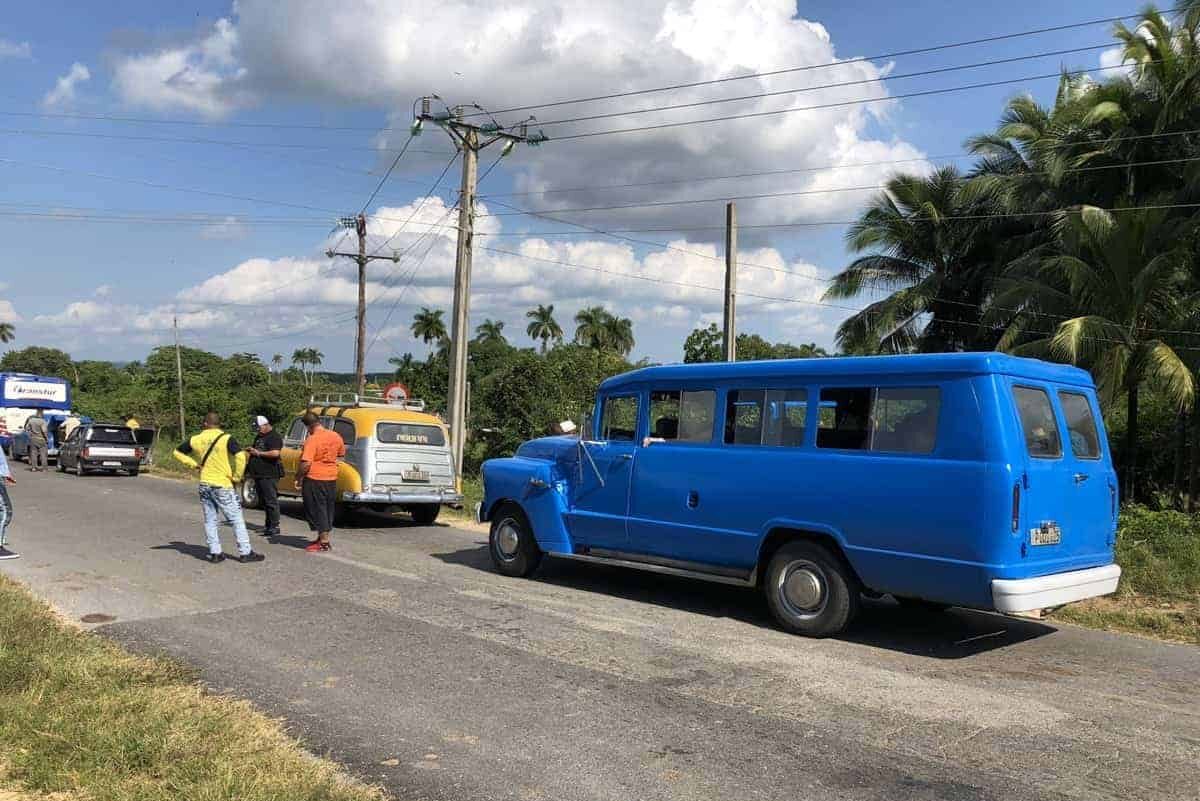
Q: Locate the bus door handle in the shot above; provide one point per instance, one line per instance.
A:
(627, 457)
(1081, 477)
(693, 499)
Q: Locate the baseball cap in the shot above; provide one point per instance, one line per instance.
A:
(260, 421)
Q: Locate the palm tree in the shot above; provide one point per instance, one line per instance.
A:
(1116, 278)
(618, 334)
(300, 358)
(543, 326)
(315, 358)
(7, 332)
(591, 327)
(491, 331)
(936, 265)
(428, 326)
(405, 365)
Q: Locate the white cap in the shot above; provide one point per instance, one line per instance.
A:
(261, 421)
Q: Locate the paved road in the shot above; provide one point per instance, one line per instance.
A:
(404, 657)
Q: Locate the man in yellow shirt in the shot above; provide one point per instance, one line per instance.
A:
(221, 462)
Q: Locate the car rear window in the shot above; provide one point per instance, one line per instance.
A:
(117, 435)
(1081, 425)
(409, 434)
(1042, 439)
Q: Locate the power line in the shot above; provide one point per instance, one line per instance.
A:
(837, 104)
(821, 168)
(818, 87)
(388, 174)
(201, 141)
(857, 60)
(870, 187)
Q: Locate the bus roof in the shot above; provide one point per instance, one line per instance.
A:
(841, 367)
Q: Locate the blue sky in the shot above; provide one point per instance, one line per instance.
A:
(250, 275)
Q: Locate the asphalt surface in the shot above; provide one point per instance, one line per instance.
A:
(404, 657)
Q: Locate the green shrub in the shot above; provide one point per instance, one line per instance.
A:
(1159, 552)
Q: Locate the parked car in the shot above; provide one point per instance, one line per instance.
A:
(967, 479)
(397, 458)
(107, 447)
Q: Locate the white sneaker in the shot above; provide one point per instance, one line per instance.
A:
(7, 554)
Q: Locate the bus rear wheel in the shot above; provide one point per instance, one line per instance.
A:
(423, 514)
(810, 591)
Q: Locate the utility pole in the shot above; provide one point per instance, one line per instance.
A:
(730, 335)
(469, 137)
(179, 377)
(359, 224)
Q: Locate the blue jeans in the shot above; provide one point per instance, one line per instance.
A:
(220, 502)
(6, 512)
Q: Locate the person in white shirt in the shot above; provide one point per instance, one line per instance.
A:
(6, 508)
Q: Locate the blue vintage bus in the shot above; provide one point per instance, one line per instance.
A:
(966, 479)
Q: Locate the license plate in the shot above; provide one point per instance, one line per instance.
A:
(1046, 534)
(110, 464)
(414, 475)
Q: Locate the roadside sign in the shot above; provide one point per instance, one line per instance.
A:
(396, 393)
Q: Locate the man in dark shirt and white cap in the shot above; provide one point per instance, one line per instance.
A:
(265, 469)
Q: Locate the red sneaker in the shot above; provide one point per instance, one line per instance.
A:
(316, 546)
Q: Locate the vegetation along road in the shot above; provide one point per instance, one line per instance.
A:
(404, 657)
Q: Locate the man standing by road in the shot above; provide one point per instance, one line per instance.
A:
(317, 479)
(221, 462)
(6, 507)
(265, 470)
(39, 441)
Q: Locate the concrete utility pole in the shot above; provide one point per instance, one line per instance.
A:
(359, 224)
(179, 377)
(469, 137)
(729, 339)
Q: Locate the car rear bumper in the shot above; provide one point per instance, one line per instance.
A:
(414, 495)
(1023, 595)
(114, 463)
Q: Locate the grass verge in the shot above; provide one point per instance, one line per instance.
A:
(81, 717)
(1159, 593)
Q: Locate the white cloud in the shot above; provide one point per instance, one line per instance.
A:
(8, 314)
(102, 291)
(11, 49)
(202, 77)
(227, 229)
(530, 51)
(63, 93)
(1113, 61)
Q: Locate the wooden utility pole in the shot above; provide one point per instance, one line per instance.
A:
(179, 377)
(469, 137)
(729, 340)
(359, 224)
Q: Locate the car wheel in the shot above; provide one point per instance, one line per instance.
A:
(810, 590)
(921, 605)
(423, 514)
(133, 473)
(79, 468)
(249, 494)
(60, 466)
(514, 549)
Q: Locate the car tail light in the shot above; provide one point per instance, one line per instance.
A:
(86, 453)
(1016, 508)
(137, 453)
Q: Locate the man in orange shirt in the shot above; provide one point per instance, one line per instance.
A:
(317, 479)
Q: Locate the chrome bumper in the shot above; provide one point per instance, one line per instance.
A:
(1024, 595)
(414, 495)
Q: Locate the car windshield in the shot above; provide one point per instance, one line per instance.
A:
(409, 434)
(117, 435)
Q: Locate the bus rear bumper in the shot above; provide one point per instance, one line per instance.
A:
(1024, 595)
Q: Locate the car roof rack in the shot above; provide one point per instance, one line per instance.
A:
(372, 401)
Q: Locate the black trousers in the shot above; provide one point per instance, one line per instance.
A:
(319, 503)
(268, 494)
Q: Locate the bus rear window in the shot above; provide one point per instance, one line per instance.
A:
(1037, 420)
(409, 434)
(1081, 426)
